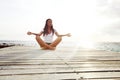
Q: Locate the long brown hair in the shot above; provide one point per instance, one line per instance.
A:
(45, 32)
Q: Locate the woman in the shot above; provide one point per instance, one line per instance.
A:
(48, 33)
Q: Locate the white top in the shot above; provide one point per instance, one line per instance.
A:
(48, 38)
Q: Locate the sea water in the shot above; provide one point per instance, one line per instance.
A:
(108, 46)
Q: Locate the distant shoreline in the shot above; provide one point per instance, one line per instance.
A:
(3, 45)
(10, 43)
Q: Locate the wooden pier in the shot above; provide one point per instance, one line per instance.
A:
(65, 63)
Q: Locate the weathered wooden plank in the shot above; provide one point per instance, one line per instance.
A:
(61, 64)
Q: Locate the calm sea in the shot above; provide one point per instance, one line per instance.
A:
(109, 46)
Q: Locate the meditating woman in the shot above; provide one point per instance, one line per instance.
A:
(48, 33)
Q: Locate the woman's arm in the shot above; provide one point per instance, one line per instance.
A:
(31, 33)
(58, 35)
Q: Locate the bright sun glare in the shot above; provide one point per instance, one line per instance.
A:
(86, 28)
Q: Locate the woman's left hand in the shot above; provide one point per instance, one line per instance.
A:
(68, 34)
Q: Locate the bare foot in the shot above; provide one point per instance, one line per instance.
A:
(43, 48)
(52, 48)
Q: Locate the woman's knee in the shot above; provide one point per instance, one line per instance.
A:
(60, 38)
(37, 37)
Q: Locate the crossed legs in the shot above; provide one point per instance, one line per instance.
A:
(52, 46)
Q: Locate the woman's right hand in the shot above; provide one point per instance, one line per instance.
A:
(29, 33)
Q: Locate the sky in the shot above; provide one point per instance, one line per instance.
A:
(86, 20)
